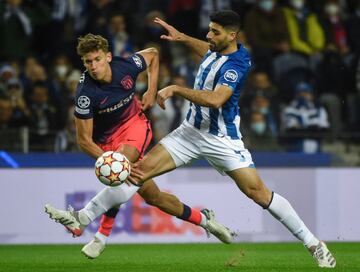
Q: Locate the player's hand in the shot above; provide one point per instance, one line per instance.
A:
(147, 101)
(136, 175)
(173, 33)
(164, 94)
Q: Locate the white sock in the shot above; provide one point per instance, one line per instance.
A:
(101, 237)
(281, 209)
(203, 220)
(106, 199)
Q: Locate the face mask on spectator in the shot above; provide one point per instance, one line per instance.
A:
(61, 70)
(264, 110)
(332, 9)
(258, 127)
(266, 5)
(297, 4)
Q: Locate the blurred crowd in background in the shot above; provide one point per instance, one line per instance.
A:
(302, 95)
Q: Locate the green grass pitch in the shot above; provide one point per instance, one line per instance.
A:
(255, 257)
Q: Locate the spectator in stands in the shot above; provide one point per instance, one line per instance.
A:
(65, 140)
(263, 105)
(10, 135)
(304, 121)
(289, 69)
(164, 75)
(6, 72)
(99, 14)
(37, 74)
(206, 8)
(259, 84)
(164, 121)
(184, 15)
(49, 29)
(262, 85)
(334, 27)
(34, 72)
(334, 85)
(260, 137)
(21, 113)
(6, 113)
(266, 32)
(71, 83)
(179, 104)
(141, 84)
(61, 69)
(119, 40)
(44, 119)
(306, 34)
(151, 32)
(16, 29)
(187, 67)
(353, 29)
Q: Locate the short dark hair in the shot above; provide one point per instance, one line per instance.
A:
(227, 19)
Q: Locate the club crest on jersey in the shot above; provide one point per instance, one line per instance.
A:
(83, 102)
(231, 75)
(127, 82)
(137, 61)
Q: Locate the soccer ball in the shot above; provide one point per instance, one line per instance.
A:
(112, 168)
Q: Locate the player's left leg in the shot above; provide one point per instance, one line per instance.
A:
(249, 182)
(108, 218)
(131, 139)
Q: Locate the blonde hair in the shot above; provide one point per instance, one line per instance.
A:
(91, 43)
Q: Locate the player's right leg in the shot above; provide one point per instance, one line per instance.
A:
(250, 184)
(170, 204)
(76, 221)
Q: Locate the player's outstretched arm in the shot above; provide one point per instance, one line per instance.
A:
(198, 46)
(84, 129)
(151, 56)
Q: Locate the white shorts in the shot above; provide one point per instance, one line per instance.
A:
(186, 144)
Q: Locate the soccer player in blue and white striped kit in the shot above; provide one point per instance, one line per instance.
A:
(211, 129)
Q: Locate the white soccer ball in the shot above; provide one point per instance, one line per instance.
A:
(112, 168)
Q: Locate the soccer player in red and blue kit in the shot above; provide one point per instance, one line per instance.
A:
(108, 116)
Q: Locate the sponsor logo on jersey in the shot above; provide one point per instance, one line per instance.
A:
(137, 61)
(127, 82)
(122, 103)
(231, 75)
(83, 101)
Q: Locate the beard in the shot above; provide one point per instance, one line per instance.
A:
(221, 46)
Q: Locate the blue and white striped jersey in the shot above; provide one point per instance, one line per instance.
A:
(215, 69)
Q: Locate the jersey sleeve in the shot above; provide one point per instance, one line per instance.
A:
(83, 103)
(138, 63)
(230, 75)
